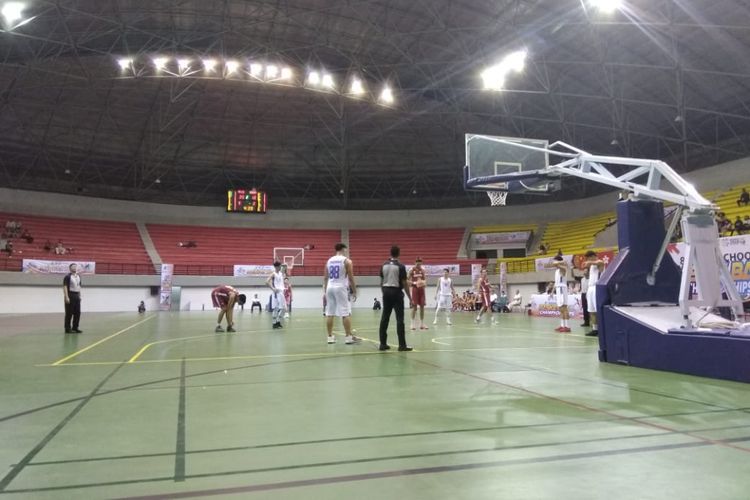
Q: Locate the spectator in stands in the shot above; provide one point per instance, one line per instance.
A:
(542, 249)
(746, 222)
(26, 235)
(744, 198)
(376, 306)
(188, 244)
(60, 249)
(502, 302)
(737, 227)
(517, 300)
(256, 303)
(141, 307)
(8, 247)
(48, 246)
(723, 223)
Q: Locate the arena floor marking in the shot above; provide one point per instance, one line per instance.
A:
(435, 340)
(81, 351)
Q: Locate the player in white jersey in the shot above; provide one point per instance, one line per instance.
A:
(561, 291)
(444, 296)
(339, 290)
(278, 303)
(595, 267)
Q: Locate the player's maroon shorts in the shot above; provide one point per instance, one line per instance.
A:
(417, 296)
(220, 299)
(486, 299)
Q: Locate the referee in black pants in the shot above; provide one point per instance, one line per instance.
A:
(393, 284)
(72, 296)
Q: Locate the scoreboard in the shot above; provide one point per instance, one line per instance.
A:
(246, 200)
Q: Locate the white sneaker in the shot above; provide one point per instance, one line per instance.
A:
(331, 339)
(477, 319)
(286, 316)
(351, 339)
(434, 322)
(448, 322)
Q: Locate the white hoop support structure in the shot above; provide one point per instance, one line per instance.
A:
(497, 198)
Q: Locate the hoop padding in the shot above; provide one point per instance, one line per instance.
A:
(497, 198)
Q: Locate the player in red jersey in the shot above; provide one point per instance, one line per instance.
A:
(225, 297)
(417, 280)
(484, 290)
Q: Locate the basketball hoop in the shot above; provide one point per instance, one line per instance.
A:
(497, 198)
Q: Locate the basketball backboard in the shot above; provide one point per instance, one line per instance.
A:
(514, 164)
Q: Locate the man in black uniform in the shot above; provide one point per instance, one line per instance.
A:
(393, 284)
(72, 296)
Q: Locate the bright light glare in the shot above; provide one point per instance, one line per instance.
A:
(125, 63)
(160, 62)
(13, 11)
(231, 66)
(515, 61)
(256, 69)
(607, 6)
(328, 81)
(313, 78)
(493, 78)
(183, 64)
(209, 65)
(286, 73)
(272, 71)
(387, 95)
(357, 87)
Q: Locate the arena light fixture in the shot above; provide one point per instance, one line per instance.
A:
(328, 81)
(209, 65)
(495, 76)
(183, 65)
(286, 73)
(357, 88)
(160, 63)
(606, 6)
(272, 72)
(125, 63)
(231, 67)
(256, 70)
(313, 78)
(12, 12)
(515, 61)
(386, 95)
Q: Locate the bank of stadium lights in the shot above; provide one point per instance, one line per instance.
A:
(125, 63)
(495, 76)
(386, 96)
(356, 87)
(12, 12)
(209, 65)
(606, 6)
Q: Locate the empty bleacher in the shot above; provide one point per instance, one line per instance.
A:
(574, 236)
(370, 247)
(116, 247)
(226, 246)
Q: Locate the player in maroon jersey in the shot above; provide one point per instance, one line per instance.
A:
(225, 297)
(484, 291)
(417, 280)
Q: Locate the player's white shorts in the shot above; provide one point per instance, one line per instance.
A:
(337, 301)
(591, 299)
(561, 294)
(445, 302)
(278, 301)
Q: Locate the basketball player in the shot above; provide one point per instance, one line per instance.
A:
(225, 297)
(484, 289)
(444, 296)
(338, 288)
(595, 267)
(278, 303)
(287, 297)
(561, 291)
(416, 278)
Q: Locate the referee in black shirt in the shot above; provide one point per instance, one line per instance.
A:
(393, 283)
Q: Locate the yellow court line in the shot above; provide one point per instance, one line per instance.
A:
(309, 354)
(71, 356)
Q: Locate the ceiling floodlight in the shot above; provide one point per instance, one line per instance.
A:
(515, 61)
(12, 12)
(231, 66)
(183, 64)
(494, 78)
(387, 95)
(125, 63)
(160, 63)
(256, 70)
(357, 87)
(272, 71)
(313, 78)
(209, 65)
(328, 81)
(286, 73)
(606, 6)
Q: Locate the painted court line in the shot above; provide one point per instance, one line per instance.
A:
(81, 351)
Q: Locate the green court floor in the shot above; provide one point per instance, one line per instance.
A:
(160, 406)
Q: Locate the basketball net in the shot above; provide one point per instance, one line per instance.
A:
(497, 198)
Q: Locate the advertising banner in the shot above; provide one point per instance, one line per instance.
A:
(505, 238)
(545, 305)
(56, 266)
(249, 270)
(735, 250)
(437, 269)
(165, 297)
